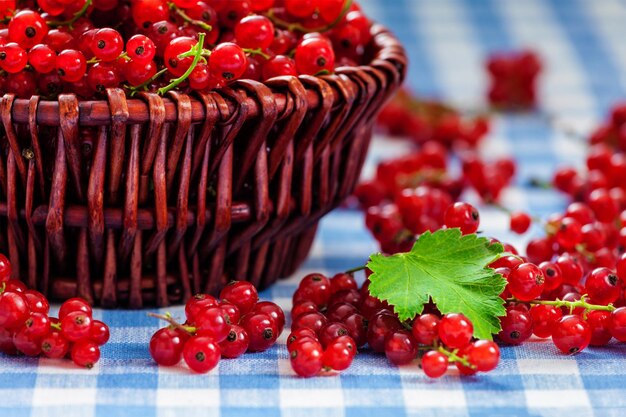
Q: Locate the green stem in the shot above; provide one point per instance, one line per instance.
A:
(590, 256)
(188, 19)
(77, 15)
(356, 269)
(298, 27)
(453, 357)
(3, 286)
(56, 326)
(175, 82)
(257, 51)
(136, 88)
(168, 318)
(570, 304)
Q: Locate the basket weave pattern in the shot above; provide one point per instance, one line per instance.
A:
(149, 200)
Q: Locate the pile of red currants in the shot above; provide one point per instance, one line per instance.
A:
(27, 328)
(513, 79)
(214, 329)
(48, 47)
(332, 318)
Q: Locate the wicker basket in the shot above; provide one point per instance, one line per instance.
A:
(150, 200)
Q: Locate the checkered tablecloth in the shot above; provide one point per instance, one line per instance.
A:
(583, 47)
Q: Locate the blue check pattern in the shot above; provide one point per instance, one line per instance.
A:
(582, 46)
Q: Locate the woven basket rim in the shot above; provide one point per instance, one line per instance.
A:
(97, 112)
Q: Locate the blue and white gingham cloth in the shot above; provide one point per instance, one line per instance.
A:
(582, 46)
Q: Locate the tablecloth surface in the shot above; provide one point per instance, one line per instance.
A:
(584, 53)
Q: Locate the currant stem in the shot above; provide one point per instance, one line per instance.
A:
(198, 48)
(190, 330)
(356, 269)
(292, 27)
(136, 88)
(453, 357)
(188, 19)
(256, 51)
(580, 248)
(570, 304)
(56, 326)
(77, 15)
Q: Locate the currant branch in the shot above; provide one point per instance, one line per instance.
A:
(571, 305)
(453, 356)
(188, 19)
(198, 51)
(190, 330)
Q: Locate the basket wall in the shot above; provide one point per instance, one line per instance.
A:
(150, 200)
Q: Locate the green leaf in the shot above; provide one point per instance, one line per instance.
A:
(449, 268)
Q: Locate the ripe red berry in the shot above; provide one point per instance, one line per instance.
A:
(484, 355)
(339, 353)
(520, 222)
(306, 358)
(600, 324)
(254, 32)
(261, 329)
(166, 346)
(571, 334)
(434, 364)
(14, 309)
(517, 326)
(107, 44)
(74, 304)
(227, 62)
(55, 345)
(400, 347)
(76, 326)
(42, 58)
(85, 353)
(99, 332)
(27, 28)
(526, 282)
(201, 354)
(464, 216)
(274, 311)
(13, 58)
(602, 286)
(544, 318)
(5, 267)
(315, 55)
(425, 329)
(455, 330)
(71, 65)
(242, 294)
(212, 323)
(140, 48)
(236, 343)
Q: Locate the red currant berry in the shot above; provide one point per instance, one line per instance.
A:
(274, 311)
(306, 358)
(201, 354)
(617, 325)
(434, 364)
(227, 62)
(99, 333)
(27, 28)
(552, 276)
(526, 282)
(380, 326)
(339, 354)
(166, 346)
(196, 304)
(236, 343)
(13, 58)
(571, 334)
(302, 333)
(278, 66)
(425, 329)
(602, 286)
(517, 326)
(316, 288)
(464, 216)
(314, 56)
(600, 324)
(5, 268)
(520, 222)
(54, 345)
(400, 347)
(27, 344)
(231, 312)
(140, 48)
(484, 355)
(147, 12)
(544, 318)
(71, 65)
(254, 32)
(332, 331)
(172, 56)
(76, 326)
(261, 329)
(37, 302)
(14, 309)
(107, 44)
(455, 330)
(85, 354)
(305, 307)
(212, 323)
(42, 58)
(74, 304)
(242, 294)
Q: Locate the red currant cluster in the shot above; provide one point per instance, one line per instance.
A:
(227, 328)
(56, 46)
(26, 327)
(613, 131)
(332, 318)
(513, 79)
(411, 194)
(426, 120)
